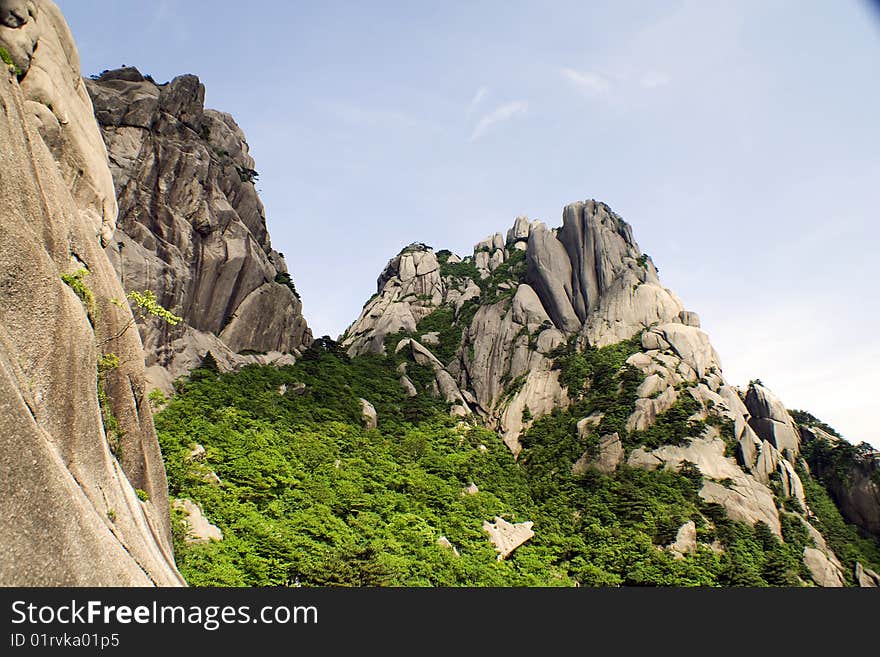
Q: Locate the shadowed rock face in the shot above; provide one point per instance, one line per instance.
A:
(192, 227)
(69, 512)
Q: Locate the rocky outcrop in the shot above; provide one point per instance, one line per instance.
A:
(866, 578)
(198, 527)
(517, 299)
(851, 473)
(502, 317)
(771, 421)
(368, 415)
(409, 290)
(70, 512)
(685, 539)
(608, 454)
(192, 228)
(823, 571)
(507, 536)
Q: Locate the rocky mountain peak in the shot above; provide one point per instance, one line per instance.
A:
(526, 326)
(192, 228)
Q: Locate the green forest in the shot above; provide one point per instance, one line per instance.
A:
(309, 497)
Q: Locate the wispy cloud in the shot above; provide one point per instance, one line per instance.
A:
(590, 83)
(500, 114)
(481, 94)
(654, 80)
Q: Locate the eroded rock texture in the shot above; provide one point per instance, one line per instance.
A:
(490, 328)
(192, 228)
(69, 512)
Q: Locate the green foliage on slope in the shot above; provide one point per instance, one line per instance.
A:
(309, 496)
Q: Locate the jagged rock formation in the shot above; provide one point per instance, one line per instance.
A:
(192, 228)
(69, 512)
(490, 328)
(521, 298)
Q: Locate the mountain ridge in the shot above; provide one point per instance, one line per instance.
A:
(541, 412)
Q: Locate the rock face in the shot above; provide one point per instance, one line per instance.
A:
(198, 528)
(507, 536)
(685, 539)
(369, 415)
(609, 454)
(491, 326)
(192, 229)
(69, 513)
(850, 473)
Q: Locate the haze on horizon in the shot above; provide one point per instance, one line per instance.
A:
(739, 140)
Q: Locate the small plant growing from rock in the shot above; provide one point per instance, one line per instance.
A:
(145, 305)
(76, 282)
(7, 59)
(143, 495)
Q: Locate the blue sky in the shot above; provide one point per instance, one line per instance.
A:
(740, 139)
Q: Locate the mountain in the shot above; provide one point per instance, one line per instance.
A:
(192, 229)
(544, 395)
(540, 412)
(84, 495)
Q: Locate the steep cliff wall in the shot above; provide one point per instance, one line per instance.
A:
(70, 513)
(192, 228)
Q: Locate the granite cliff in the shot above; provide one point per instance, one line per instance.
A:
(192, 229)
(84, 495)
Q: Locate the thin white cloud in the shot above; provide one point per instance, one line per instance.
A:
(654, 80)
(500, 114)
(589, 82)
(481, 94)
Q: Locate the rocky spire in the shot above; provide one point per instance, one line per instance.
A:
(192, 227)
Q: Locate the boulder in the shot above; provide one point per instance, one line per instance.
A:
(198, 528)
(822, 569)
(369, 415)
(506, 536)
(865, 577)
(685, 539)
(609, 453)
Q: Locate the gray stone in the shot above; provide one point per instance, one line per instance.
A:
(369, 415)
(689, 318)
(685, 539)
(69, 515)
(822, 569)
(609, 454)
(865, 577)
(191, 226)
(506, 536)
(408, 386)
(198, 528)
(771, 421)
